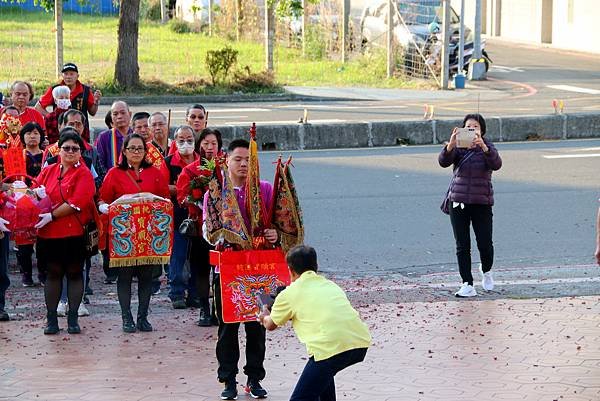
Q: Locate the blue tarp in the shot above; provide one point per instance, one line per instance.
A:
(102, 7)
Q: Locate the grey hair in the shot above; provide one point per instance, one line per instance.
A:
(61, 90)
(158, 113)
(183, 128)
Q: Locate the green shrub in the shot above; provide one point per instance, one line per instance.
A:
(219, 62)
(255, 82)
(315, 43)
(179, 26)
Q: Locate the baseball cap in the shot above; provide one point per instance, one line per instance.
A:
(69, 67)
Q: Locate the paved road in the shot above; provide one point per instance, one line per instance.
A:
(376, 212)
(523, 80)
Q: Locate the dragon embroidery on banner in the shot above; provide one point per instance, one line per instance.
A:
(245, 289)
(121, 224)
(160, 233)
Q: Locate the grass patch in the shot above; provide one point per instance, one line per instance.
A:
(170, 62)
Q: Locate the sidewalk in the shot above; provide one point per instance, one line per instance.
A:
(533, 350)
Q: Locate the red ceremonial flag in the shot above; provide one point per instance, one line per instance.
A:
(246, 274)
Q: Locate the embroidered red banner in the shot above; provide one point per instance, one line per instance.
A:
(244, 275)
(140, 229)
(153, 155)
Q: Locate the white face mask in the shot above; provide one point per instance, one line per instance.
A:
(63, 103)
(185, 148)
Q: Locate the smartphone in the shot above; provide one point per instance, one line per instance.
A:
(264, 299)
(465, 137)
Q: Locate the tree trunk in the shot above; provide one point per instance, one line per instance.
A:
(127, 70)
(58, 23)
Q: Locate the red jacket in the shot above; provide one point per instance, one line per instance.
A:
(77, 189)
(120, 182)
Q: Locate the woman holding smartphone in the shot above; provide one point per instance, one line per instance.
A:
(471, 198)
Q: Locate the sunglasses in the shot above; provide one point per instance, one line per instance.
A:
(71, 149)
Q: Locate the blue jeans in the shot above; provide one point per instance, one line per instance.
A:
(4, 280)
(317, 380)
(179, 283)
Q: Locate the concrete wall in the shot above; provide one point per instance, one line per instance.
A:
(417, 132)
(574, 25)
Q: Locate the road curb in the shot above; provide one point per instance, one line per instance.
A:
(203, 99)
(412, 132)
(416, 132)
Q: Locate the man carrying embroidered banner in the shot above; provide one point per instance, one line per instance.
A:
(231, 225)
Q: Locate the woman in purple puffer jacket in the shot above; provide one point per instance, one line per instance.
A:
(471, 199)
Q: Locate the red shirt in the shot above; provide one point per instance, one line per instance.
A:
(77, 189)
(31, 114)
(48, 100)
(120, 182)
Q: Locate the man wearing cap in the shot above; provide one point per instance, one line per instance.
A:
(81, 98)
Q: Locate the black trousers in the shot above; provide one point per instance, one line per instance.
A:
(228, 348)
(480, 216)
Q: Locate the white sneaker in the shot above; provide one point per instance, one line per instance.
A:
(62, 309)
(487, 281)
(465, 291)
(82, 311)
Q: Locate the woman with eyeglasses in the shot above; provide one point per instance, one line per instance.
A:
(61, 244)
(133, 175)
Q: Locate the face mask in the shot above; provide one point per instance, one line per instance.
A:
(63, 103)
(185, 149)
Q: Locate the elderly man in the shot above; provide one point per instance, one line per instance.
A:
(21, 93)
(139, 125)
(196, 117)
(160, 130)
(81, 96)
(109, 142)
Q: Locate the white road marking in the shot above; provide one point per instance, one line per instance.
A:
(282, 122)
(571, 156)
(577, 89)
(502, 68)
(333, 107)
(397, 287)
(242, 110)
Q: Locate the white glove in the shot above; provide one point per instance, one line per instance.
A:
(19, 184)
(3, 224)
(103, 208)
(45, 218)
(40, 192)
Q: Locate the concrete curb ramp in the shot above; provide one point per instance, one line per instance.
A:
(416, 132)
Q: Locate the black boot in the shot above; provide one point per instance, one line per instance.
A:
(143, 324)
(144, 294)
(204, 318)
(73, 325)
(128, 324)
(52, 323)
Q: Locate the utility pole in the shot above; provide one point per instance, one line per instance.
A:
(445, 44)
(390, 38)
(345, 19)
(269, 35)
(210, 8)
(461, 42)
(304, 27)
(58, 20)
(477, 68)
(164, 18)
